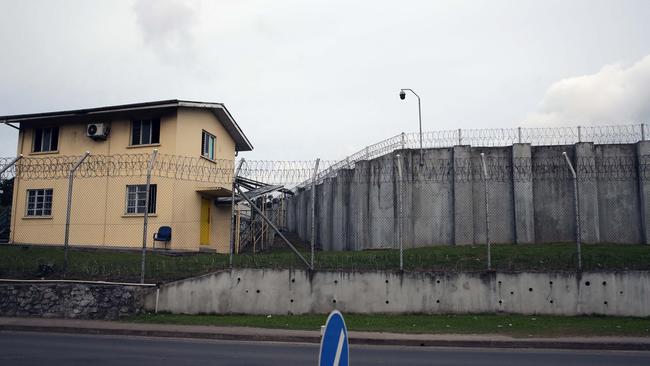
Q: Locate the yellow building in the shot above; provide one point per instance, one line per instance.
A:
(108, 208)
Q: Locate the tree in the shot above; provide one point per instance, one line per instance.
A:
(6, 191)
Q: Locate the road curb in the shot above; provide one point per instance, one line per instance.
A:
(357, 340)
(161, 333)
(551, 344)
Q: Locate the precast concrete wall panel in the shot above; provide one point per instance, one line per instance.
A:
(553, 195)
(585, 165)
(463, 196)
(522, 194)
(500, 193)
(324, 214)
(308, 214)
(340, 211)
(531, 197)
(359, 210)
(404, 192)
(619, 209)
(266, 291)
(291, 213)
(382, 203)
(430, 209)
(303, 210)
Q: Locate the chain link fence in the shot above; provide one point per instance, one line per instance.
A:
(381, 208)
(470, 196)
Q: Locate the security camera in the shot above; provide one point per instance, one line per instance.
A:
(402, 95)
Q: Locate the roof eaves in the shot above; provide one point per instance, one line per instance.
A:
(90, 111)
(241, 141)
(233, 128)
(231, 125)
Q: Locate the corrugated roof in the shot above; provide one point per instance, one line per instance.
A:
(221, 112)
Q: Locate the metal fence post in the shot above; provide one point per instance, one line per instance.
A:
(313, 213)
(519, 134)
(487, 213)
(643, 132)
(401, 210)
(403, 140)
(579, 134)
(460, 137)
(69, 210)
(145, 223)
(577, 209)
(232, 213)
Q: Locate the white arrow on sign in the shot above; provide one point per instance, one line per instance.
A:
(339, 348)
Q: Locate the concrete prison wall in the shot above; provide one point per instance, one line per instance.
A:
(530, 191)
(267, 291)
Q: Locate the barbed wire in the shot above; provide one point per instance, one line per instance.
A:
(536, 136)
(290, 173)
(299, 174)
(492, 137)
(193, 169)
(10, 171)
(287, 173)
(165, 166)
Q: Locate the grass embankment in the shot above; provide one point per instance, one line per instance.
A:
(22, 262)
(513, 325)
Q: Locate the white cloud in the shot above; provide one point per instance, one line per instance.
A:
(615, 94)
(166, 26)
(311, 79)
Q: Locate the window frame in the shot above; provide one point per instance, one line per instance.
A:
(206, 137)
(44, 194)
(140, 189)
(154, 131)
(54, 137)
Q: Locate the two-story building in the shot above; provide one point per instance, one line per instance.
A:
(107, 209)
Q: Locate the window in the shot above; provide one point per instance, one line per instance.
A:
(39, 202)
(46, 139)
(207, 145)
(145, 131)
(135, 198)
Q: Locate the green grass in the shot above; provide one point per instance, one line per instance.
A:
(22, 262)
(513, 325)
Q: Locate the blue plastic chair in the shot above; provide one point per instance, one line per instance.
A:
(163, 234)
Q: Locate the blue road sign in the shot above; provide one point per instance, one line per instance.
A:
(334, 350)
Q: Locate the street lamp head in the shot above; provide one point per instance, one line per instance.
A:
(402, 94)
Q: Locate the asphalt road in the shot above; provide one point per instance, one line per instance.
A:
(25, 348)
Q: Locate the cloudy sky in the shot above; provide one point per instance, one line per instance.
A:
(308, 79)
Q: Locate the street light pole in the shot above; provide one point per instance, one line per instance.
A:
(402, 95)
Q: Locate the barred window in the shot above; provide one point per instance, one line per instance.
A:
(39, 202)
(45, 139)
(207, 145)
(136, 201)
(145, 131)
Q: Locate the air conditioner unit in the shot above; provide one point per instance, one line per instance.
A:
(97, 131)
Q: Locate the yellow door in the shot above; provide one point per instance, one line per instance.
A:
(205, 221)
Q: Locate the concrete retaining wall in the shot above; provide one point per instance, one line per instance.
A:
(254, 291)
(530, 197)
